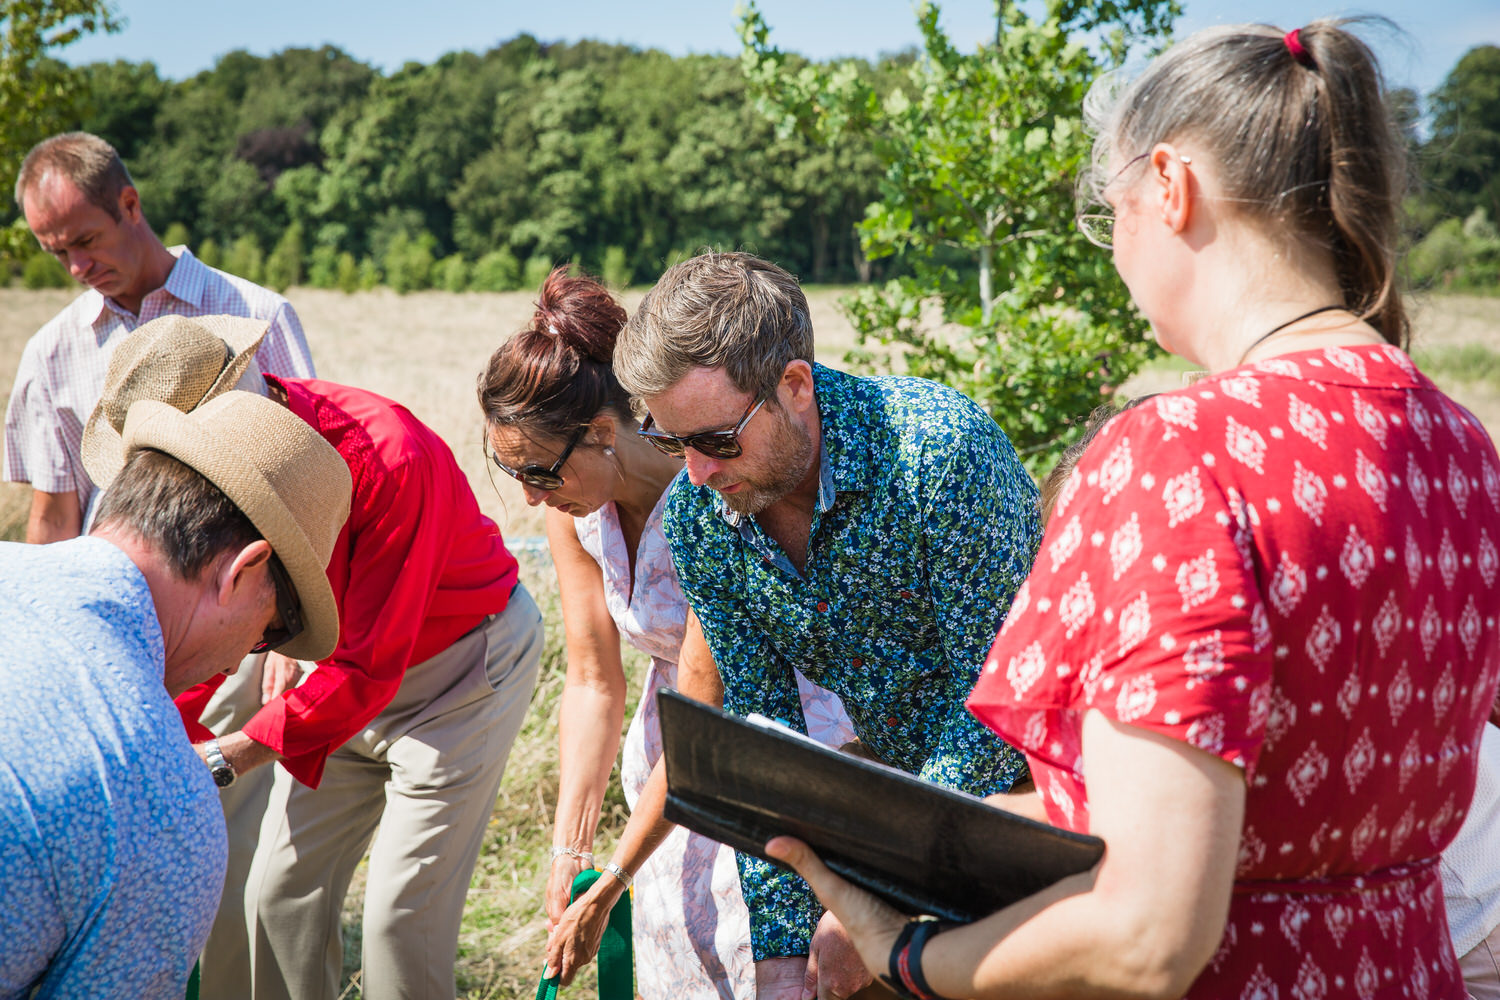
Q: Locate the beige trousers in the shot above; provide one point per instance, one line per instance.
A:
(425, 772)
(225, 962)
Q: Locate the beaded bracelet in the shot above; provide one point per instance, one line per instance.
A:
(587, 857)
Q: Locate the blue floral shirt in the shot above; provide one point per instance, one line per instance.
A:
(112, 846)
(924, 527)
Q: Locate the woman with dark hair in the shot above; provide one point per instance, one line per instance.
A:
(558, 421)
(1259, 641)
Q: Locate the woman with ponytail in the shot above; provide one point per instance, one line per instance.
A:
(558, 421)
(1259, 642)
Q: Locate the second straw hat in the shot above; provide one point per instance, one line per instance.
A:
(180, 360)
(271, 464)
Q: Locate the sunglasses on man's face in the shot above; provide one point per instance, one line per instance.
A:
(714, 444)
(540, 476)
(287, 605)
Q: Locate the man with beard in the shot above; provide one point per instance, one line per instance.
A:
(869, 531)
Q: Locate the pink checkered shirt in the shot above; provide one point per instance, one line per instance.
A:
(61, 375)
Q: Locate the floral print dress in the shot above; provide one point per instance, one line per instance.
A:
(691, 927)
(1291, 566)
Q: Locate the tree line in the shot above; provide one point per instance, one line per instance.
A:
(479, 170)
(482, 170)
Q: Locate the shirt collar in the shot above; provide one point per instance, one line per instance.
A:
(842, 466)
(187, 282)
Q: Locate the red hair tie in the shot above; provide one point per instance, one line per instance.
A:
(1295, 47)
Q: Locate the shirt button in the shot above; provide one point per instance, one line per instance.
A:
(857, 662)
(892, 722)
(906, 595)
(822, 605)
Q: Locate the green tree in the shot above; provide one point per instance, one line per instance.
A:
(1462, 157)
(284, 266)
(980, 155)
(42, 270)
(39, 96)
(209, 253)
(348, 274)
(615, 270)
(176, 235)
(537, 269)
(323, 266)
(451, 274)
(496, 271)
(246, 259)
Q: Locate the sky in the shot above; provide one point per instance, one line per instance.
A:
(183, 38)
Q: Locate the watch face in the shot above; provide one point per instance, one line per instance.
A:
(223, 776)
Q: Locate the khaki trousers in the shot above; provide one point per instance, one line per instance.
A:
(426, 773)
(225, 962)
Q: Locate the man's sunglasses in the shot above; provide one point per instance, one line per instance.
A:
(714, 444)
(287, 604)
(539, 476)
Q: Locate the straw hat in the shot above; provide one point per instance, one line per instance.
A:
(175, 359)
(272, 465)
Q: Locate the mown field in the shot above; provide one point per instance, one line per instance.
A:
(425, 350)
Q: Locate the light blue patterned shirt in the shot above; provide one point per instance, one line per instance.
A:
(112, 846)
(924, 527)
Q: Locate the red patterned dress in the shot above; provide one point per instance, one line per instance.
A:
(1292, 566)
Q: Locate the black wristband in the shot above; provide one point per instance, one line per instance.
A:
(925, 930)
(892, 976)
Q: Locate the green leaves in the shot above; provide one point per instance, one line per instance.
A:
(1003, 298)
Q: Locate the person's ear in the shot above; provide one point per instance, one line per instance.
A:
(130, 205)
(1174, 186)
(239, 570)
(602, 430)
(796, 389)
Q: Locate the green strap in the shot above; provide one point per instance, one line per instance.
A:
(192, 986)
(616, 961)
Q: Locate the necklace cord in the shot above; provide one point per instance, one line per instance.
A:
(1277, 329)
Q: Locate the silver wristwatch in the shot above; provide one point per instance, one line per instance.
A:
(220, 768)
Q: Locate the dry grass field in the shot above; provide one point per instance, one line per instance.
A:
(425, 350)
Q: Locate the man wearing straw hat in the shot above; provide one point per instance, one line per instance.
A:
(407, 724)
(184, 362)
(212, 540)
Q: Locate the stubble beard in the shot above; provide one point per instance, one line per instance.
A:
(791, 452)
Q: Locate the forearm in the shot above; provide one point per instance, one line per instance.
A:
(243, 753)
(588, 725)
(1071, 940)
(54, 517)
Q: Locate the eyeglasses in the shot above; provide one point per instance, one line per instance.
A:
(538, 476)
(714, 444)
(1099, 227)
(286, 604)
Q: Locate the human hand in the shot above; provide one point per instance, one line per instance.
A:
(574, 941)
(780, 978)
(565, 869)
(834, 968)
(869, 922)
(277, 675)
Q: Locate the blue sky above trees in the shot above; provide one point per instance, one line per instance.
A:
(183, 39)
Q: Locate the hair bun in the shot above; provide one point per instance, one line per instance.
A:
(581, 314)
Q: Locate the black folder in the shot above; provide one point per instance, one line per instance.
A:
(923, 848)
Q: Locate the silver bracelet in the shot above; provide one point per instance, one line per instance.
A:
(620, 873)
(587, 857)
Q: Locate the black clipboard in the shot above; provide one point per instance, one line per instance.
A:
(923, 848)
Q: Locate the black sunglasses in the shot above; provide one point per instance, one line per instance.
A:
(538, 476)
(287, 604)
(714, 444)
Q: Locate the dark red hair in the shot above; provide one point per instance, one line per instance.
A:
(557, 375)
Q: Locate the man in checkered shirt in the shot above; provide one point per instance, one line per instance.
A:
(83, 209)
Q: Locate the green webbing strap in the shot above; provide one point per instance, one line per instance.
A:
(192, 990)
(616, 961)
